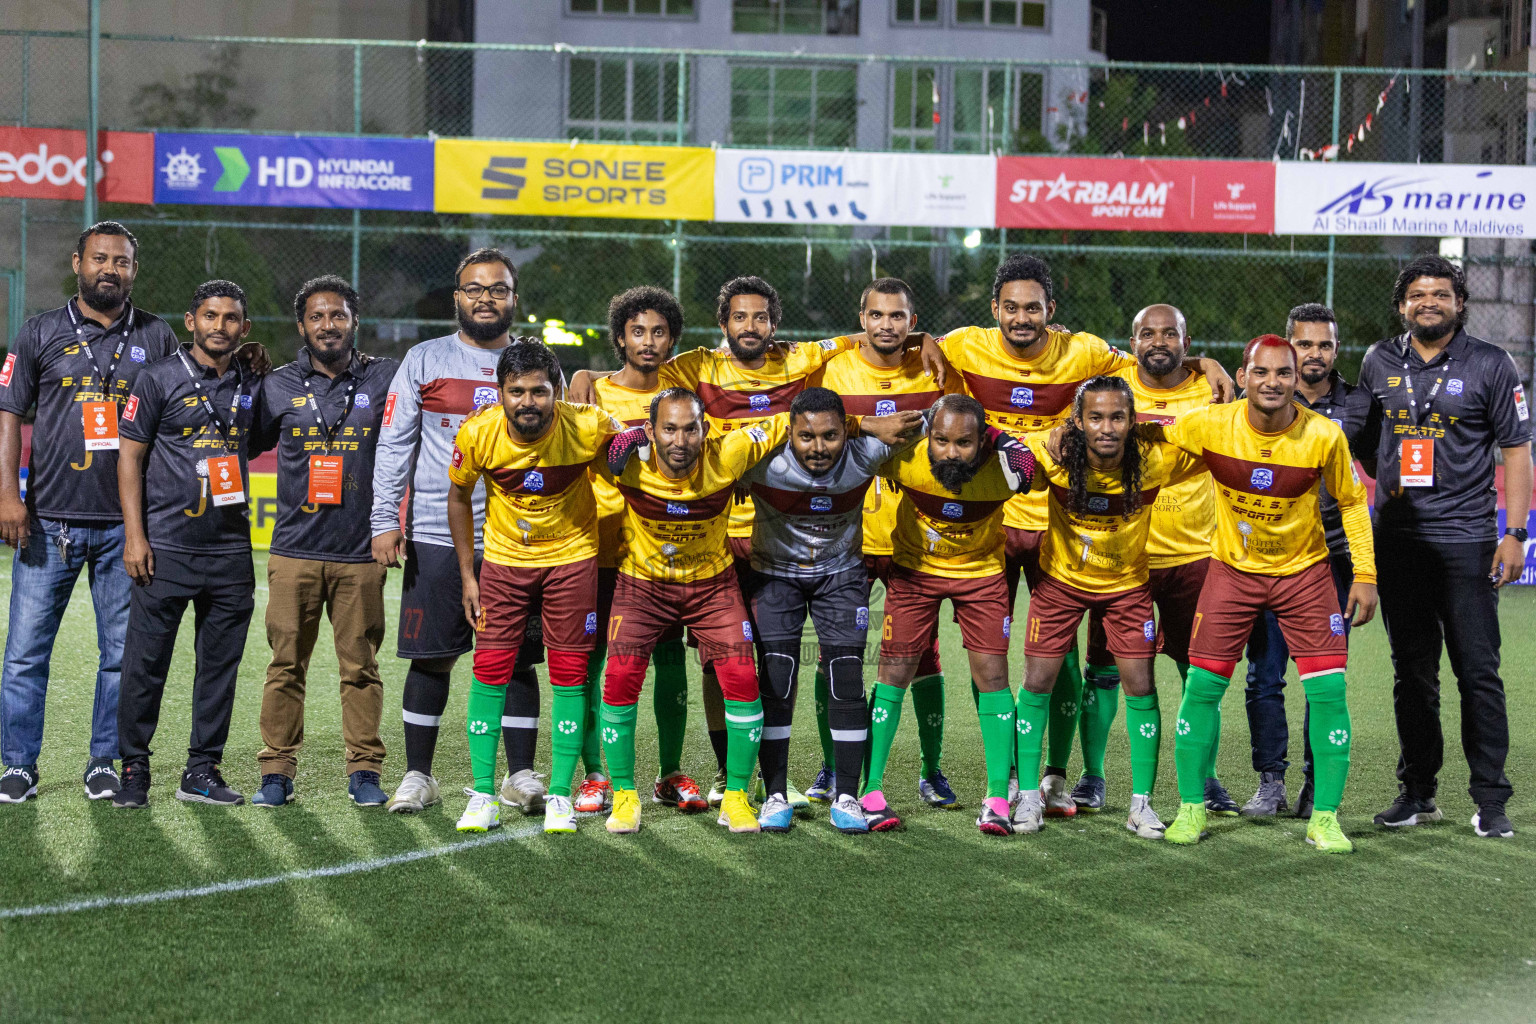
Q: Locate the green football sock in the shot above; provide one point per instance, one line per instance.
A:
(744, 733)
(1029, 727)
(669, 700)
(884, 717)
(1101, 699)
(567, 716)
(1199, 725)
(1210, 764)
(482, 725)
(619, 743)
(995, 710)
(1329, 730)
(823, 693)
(1144, 726)
(1065, 701)
(928, 706)
(591, 735)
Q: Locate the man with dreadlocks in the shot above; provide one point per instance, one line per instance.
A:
(1101, 482)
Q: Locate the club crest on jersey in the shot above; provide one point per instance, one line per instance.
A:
(1454, 386)
(821, 503)
(758, 402)
(676, 508)
(591, 626)
(1022, 398)
(245, 401)
(533, 480)
(952, 510)
(137, 354)
(1262, 479)
(861, 618)
(1149, 630)
(484, 396)
(746, 629)
(1336, 624)
(361, 401)
(1098, 503)
(885, 407)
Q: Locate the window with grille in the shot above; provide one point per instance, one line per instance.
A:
(794, 105)
(619, 99)
(1000, 13)
(915, 12)
(976, 110)
(639, 8)
(796, 17)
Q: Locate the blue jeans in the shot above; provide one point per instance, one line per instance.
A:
(1267, 658)
(43, 576)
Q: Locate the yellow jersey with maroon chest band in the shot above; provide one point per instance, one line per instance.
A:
(939, 532)
(1184, 517)
(1027, 396)
(631, 408)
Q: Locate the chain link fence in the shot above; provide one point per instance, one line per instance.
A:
(1230, 287)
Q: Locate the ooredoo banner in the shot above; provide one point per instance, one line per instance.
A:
(580, 180)
(49, 163)
(1405, 199)
(277, 170)
(1126, 194)
(819, 187)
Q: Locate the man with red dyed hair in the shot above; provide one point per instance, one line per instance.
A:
(1268, 456)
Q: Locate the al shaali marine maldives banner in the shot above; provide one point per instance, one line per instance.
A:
(278, 170)
(778, 186)
(1405, 199)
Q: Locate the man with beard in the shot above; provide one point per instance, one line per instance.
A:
(183, 482)
(1439, 401)
(540, 553)
(440, 383)
(77, 363)
(1025, 374)
(1313, 332)
(1268, 458)
(322, 412)
(884, 374)
(948, 543)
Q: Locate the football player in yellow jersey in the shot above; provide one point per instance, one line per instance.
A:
(540, 551)
(1268, 456)
(1025, 375)
(882, 375)
(948, 544)
(1102, 484)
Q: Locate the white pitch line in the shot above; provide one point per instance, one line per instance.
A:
(242, 884)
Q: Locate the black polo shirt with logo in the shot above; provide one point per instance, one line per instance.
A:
(61, 360)
(350, 410)
(1469, 400)
(1335, 406)
(164, 412)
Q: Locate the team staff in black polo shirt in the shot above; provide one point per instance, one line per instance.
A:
(322, 413)
(77, 363)
(184, 488)
(1440, 401)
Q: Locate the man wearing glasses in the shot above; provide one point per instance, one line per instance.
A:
(440, 383)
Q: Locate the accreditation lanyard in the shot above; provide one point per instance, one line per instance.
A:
(1417, 414)
(103, 377)
(325, 470)
(1416, 455)
(226, 431)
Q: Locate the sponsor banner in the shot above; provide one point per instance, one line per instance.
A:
(1129, 194)
(1433, 200)
(1528, 571)
(580, 180)
(262, 510)
(818, 187)
(275, 170)
(49, 163)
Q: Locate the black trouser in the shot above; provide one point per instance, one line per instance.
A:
(222, 591)
(1428, 592)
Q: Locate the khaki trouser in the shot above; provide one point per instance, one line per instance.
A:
(352, 594)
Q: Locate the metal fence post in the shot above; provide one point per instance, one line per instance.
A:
(357, 129)
(682, 115)
(1338, 87)
(19, 285)
(92, 113)
(1007, 118)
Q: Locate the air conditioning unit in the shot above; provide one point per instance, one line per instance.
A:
(1472, 44)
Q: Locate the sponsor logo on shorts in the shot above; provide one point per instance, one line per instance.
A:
(129, 411)
(861, 618)
(746, 629)
(5, 371)
(1023, 398)
(591, 626)
(952, 510)
(1336, 624)
(1007, 626)
(361, 401)
(1149, 630)
(389, 408)
(821, 503)
(1098, 503)
(484, 396)
(458, 457)
(1262, 479)
(1454, 386)
(676, 508)
(885, 407)
(533, 480)
(758, 402)
(137, 354)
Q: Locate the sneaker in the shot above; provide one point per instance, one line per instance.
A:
(134, 792)
(101, 779)
(798, 801)
(821, 790)
(1409, 810)
(207, 786)
(1324, 833)
(993, 820)
(1089, 794)
(482, 814)
(848, 816)
(18, 785)
(1189, 827)
(417, 791)
(276, 790)
(1143, 820)
(776, 815)
(717, 791)
(934, 790)
(595, 794)
(559, 814)
(678, 790)
(1491, 822)
(364, 789)
(877, 813)
(1028, 813)
(1269, 800)
(1304, 800)
(524, 789)
(1053, 794)
(1218, 801)
(736, 812)
(625, 818)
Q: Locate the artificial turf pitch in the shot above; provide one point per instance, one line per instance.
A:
(687, 922)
